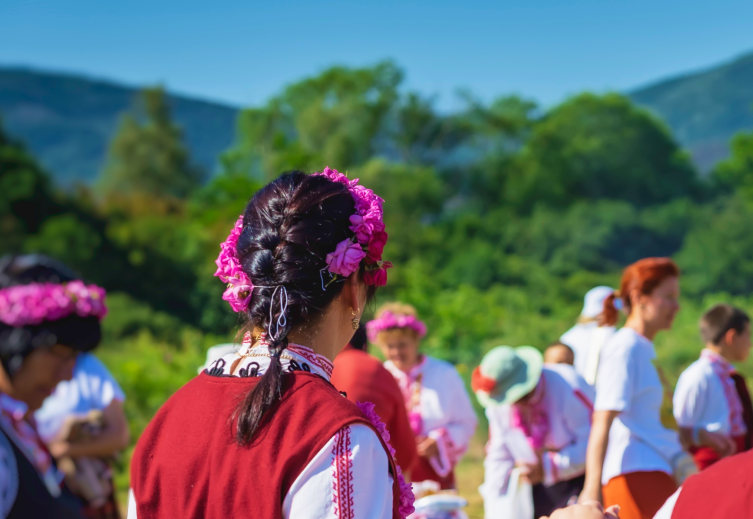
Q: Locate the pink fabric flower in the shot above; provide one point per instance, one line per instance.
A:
(376, 245)
(346, 258)
(377, 276)
(406, 491)
(32, 304)
(367, 223)
(229, 270)
(389, 320)
(532, 419)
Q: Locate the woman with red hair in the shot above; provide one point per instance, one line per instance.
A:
(631, 457)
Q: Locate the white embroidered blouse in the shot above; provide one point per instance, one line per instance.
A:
(438, 407)
(349, 478)
(568, 404)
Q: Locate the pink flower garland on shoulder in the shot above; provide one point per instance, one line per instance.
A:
(406, 491)
(389, 320)
(367, 245)
(32, 304)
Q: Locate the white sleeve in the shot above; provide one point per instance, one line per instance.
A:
(614, 381)
(665, 512)
(570, 461)
(348, 478)
(690, 399)
(99, 375)
(499, 461)
(462, 418)
(131, 505)
(8, 477)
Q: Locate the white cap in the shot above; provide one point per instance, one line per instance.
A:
(217, 352)
(593, 304)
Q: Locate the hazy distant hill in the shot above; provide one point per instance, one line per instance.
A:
(705, 109)
(68, 120)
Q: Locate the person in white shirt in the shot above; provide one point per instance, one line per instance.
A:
(439, 409)
(631, 456)
(588, 337)
(711, 402)
(551, 405)
(91, 400)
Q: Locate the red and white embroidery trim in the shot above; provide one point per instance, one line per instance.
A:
(342, 475)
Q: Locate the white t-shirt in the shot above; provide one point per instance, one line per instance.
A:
(700, 399)
(91, 388)
(629, 383)
(580, 338)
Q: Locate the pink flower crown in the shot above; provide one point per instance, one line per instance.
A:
(32, 304)
(367, 245)
(389, 320)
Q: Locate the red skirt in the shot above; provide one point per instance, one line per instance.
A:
(639, 494)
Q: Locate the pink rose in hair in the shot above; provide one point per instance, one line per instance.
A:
(346, 258)
(377, 276)
(238, 297)
(376, 245)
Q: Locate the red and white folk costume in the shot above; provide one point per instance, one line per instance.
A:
(439, 408)
(564, 402)
(711, 395)
(317, 456)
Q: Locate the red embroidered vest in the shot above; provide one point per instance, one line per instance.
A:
(723, 491)
(187, 465)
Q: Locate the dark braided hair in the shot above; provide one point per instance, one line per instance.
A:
(289, 227)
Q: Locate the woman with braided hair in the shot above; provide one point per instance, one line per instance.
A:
(262, 432)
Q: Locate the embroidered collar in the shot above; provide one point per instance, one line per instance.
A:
(717, 360)
(409, 376)
(255, 359)
(724, 369)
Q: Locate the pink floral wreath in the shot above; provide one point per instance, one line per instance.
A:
(32, 304)
(367, 246)
(389, 320)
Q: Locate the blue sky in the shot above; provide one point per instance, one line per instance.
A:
(244, 52)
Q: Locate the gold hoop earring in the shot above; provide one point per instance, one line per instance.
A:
(354, 322)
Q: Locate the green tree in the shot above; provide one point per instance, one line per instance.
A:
(736, 173)
(593, 147)
(332, 119)
(26, 195)
(147, 155)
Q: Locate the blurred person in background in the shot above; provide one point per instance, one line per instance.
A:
(551, 405)
(364, 379)
(559, 353)
(85, 428)
(48, 316)
(711, 402)
(439, 409)
(632, 457)
(590, 334)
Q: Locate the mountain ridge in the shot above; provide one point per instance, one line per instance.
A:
(68, 119)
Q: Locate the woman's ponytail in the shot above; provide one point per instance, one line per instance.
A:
(284, 254)
(260, 400)
(610, 314)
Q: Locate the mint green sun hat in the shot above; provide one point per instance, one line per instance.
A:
(506, 375)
